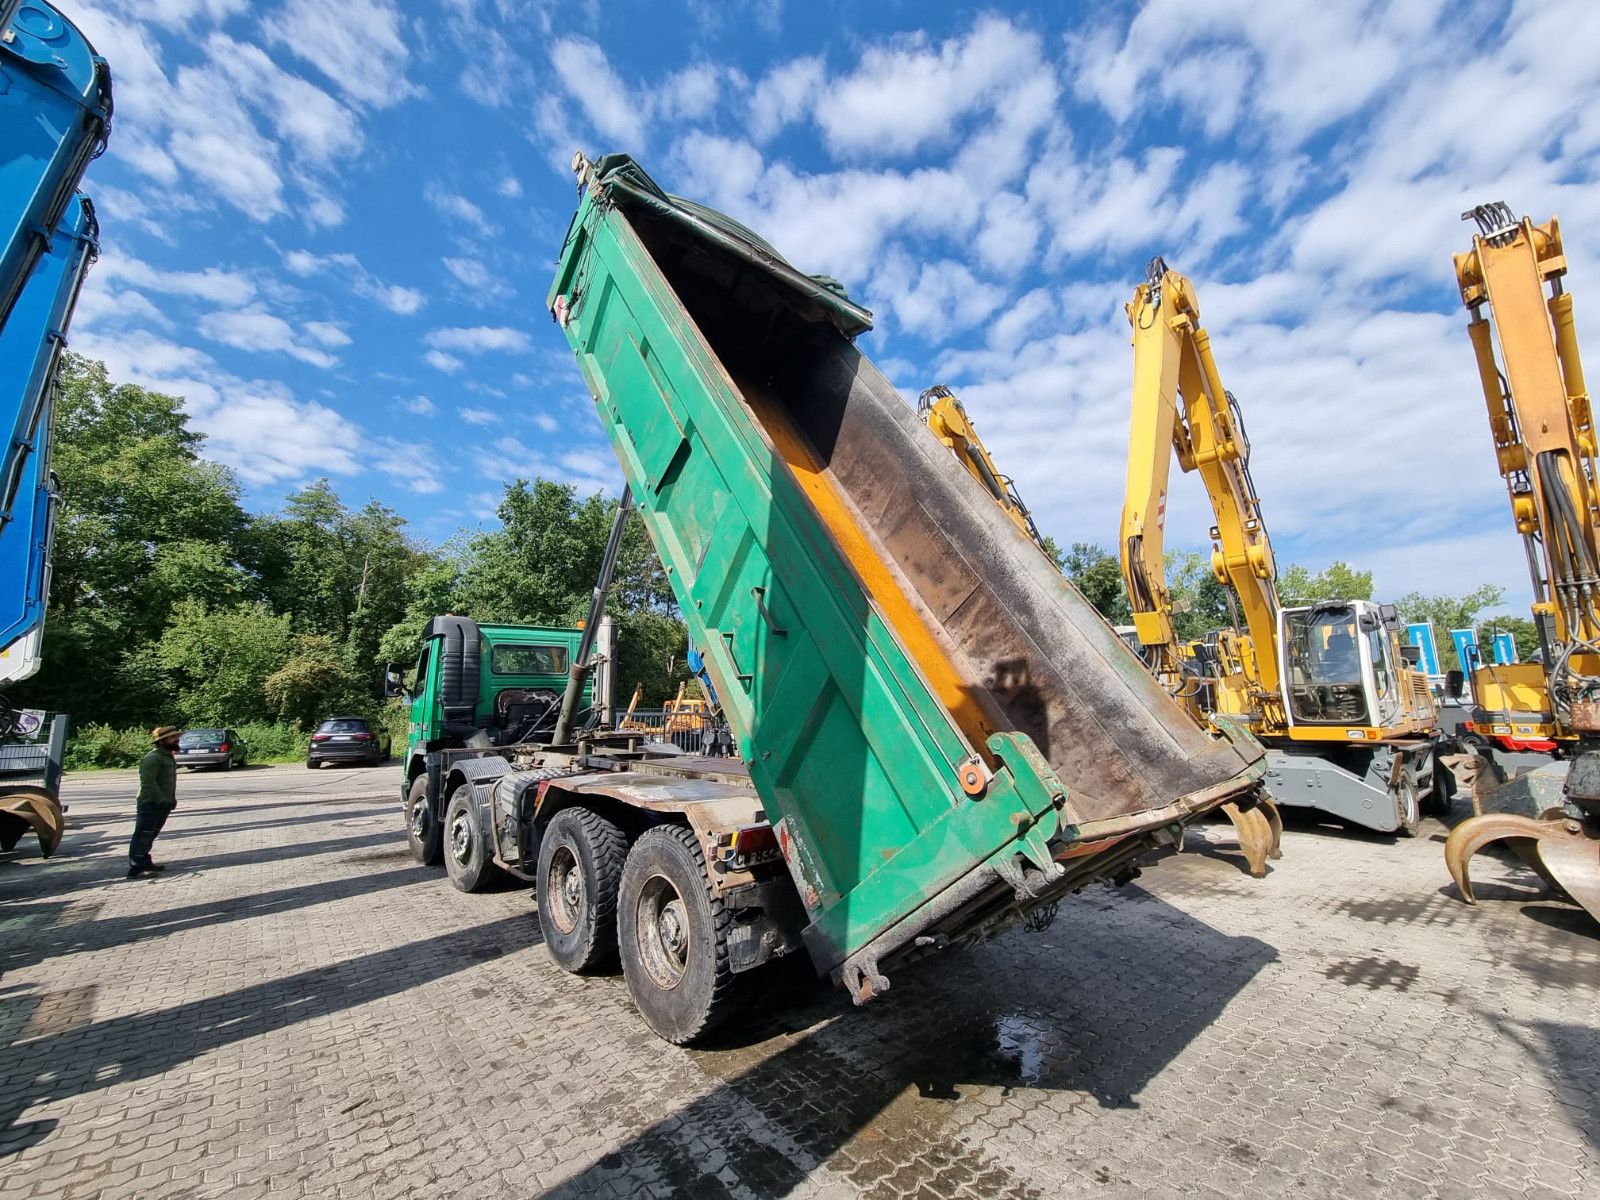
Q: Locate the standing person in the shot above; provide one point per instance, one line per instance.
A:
(158, 796)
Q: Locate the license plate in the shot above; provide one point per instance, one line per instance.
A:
(343, 737)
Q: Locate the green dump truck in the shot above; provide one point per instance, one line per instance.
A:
(939, 737)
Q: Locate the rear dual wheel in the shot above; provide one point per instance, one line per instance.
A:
(672, 931)
(580, 865)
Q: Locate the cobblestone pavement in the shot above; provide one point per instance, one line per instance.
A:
(296, 1009)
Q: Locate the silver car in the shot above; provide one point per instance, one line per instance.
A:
(222, 748)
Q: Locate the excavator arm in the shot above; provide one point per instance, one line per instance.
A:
(1544, 443)
(1181, 410)
(947, 419)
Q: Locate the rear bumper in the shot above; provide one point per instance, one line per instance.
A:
(344, 752)
(208, 758)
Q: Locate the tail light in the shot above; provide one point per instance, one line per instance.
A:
(363, 737)
(747, 846)
(319, 737)
(224, 748)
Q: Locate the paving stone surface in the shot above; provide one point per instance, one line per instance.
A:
(295, 1009)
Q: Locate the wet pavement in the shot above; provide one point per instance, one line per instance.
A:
(296, 1009)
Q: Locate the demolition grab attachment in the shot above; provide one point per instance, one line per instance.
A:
(1561, 849)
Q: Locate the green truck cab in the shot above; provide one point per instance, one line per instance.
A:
(477, 690)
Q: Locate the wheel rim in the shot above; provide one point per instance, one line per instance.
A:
(663, 932)
(461, 839)
(564, 889)
(419, 819)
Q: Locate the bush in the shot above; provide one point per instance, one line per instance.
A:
(96, 747)
(272, 741)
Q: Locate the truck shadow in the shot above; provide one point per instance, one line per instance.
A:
(1095, 1010)
(84, 1059)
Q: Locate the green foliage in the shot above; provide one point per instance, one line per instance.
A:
(1522, 630)
(651, 648)
(1097, 573)
(1200, 603)
(1450, 612)
(316, 682)
(219, 659)
(1337, 581)
(94, 746)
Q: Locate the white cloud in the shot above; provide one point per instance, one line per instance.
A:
(482, 284)
(479, 339)
(785, 95)
(211, 283)
(402, 301)
(441, 361)
(510, 187)
(479, 416)
(258, 330)
(545, 422)
(693, 93)
(934, 300)
(327, 333)
(412, 465)
(910, 94)
(458, 208)
(419, 406)
(256, 427)
(582, 68)
(357, 45)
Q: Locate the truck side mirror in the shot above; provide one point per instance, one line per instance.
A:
(394, 680)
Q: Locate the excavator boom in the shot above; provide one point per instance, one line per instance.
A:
(1544, 441)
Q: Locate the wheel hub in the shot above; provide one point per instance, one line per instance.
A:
(461, 839)
(564, 887)
(419, 819)
(663, 933)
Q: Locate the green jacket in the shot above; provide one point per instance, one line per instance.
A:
(158, 779)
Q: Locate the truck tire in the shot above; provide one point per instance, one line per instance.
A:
(423, 834)
(466, 852)
(673, 934)
(580, 864)
(1408, 807)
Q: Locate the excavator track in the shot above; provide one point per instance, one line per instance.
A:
(1562, 850)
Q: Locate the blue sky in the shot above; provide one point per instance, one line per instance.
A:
(330, 227)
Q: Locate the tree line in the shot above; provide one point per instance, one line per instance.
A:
(172, 603)
(1201, 603)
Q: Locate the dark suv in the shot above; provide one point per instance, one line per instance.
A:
(348, 739)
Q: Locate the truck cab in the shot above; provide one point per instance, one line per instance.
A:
(475, 691)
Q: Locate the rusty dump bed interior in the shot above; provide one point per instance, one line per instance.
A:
(1029, 652)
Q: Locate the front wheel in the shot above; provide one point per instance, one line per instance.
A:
(673, 934)
(466, 852)
(580, 862)
(423, 834)
(1407, 806)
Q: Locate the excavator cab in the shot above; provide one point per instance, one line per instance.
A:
(1342, 665)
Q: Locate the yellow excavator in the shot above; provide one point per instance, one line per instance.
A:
(946, 418)
(1544, 441)
(942, 412)
(1347, 720)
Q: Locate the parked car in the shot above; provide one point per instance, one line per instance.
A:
(222, 748)
(348, 739)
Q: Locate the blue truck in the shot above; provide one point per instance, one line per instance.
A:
(55, 115)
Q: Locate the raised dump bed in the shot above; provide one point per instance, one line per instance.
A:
(943, 731)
